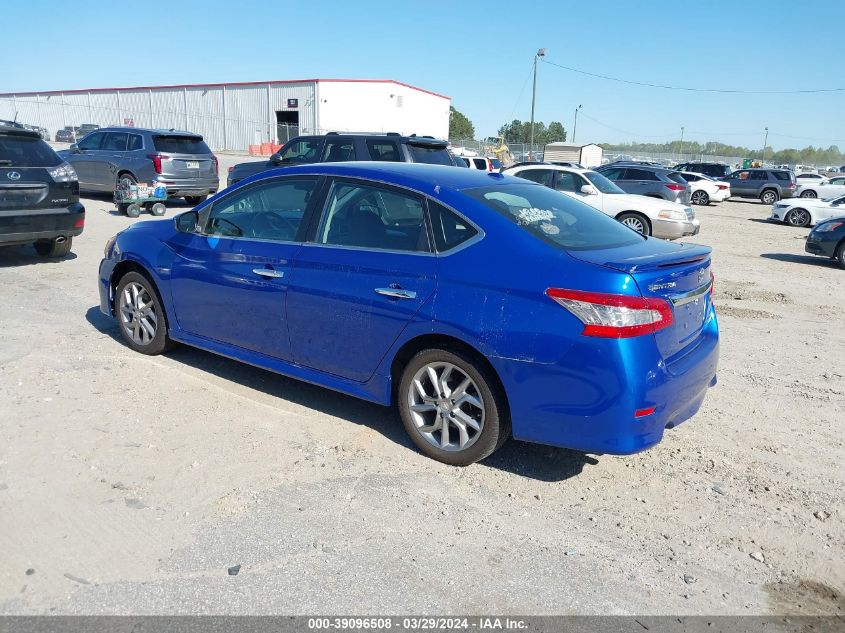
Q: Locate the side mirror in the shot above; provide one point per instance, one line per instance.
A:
(276, 158)
(589, 190)
(187, 222)
(74, 148)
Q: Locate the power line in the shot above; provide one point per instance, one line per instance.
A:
(616, 129)
(686, 89)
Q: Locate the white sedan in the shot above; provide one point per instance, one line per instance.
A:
(704, 189)
(649, 216)
(807, 211)
(829, 188)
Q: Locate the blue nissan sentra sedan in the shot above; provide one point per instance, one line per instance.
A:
(481, 305)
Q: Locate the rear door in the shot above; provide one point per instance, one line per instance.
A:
(189, 156)
(360, 279)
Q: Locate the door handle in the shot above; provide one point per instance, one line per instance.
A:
(268, 272)
(397, 293)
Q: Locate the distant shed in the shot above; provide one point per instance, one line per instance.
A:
(588, 155)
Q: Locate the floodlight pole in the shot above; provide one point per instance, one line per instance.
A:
(540, 53)
(575, 125)
(765, 141)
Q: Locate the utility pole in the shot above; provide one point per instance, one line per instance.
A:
(765, 140)
(540, 53)
(681, 151)
(575, 125)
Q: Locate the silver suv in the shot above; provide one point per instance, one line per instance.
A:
(181, 161)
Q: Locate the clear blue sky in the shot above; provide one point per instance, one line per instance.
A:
(478, 53)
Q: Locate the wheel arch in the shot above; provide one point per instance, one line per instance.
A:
(419, 343)
(637, 213)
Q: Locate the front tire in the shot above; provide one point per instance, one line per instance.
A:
(769, 196)
(452, 407)
(840, 254)
(635, 221)
(194, 200)
(53, 248)
(798, 217)
(140, 315)
(700, 197)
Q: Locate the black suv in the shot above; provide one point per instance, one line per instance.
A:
(340, 147)
(714, 170)
(39, 194)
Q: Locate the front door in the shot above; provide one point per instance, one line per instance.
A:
(85, 158)
(229, 283)
(364, 276)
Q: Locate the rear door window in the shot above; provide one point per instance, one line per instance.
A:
(479, 163)
(115, 142)
(639, 174)
(23, 151)
(758, 175)
(338, 151)
(386, 151)
(450, 230)
(178, 144)
(433, 155)
(541, 176)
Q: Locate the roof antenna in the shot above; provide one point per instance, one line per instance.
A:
(16, 116)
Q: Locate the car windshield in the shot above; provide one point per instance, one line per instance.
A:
(26, 151)
(601, 182)
(181, 144)
(554, 217)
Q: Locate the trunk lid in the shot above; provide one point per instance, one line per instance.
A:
(187, 166)
(677, 273)
(24, 188)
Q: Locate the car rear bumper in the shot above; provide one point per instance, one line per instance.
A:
(673, 229)
(24, 226)
(721, 195)
(177, 187)
(590, 405)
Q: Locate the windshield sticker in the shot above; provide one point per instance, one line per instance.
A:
(549, 229)
(532, 215)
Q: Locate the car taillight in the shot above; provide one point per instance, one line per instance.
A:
(791, 185)
(79, 223)
(614, 316)
(214, 162)
(675, 187)
(722, 187)
(157, 158)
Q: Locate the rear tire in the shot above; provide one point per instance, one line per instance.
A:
(140, 315)
(798, 217)
(158, 208)
(194, 200)
(53, 248)
(472, 407)
(133, 210)
(126, 180)
(769, 196)
(700, 197)
(635, 221)
(808, 194)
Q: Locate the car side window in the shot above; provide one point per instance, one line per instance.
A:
(338, 151)
(480, 163)
(136, 142)
(375, 217)
(758, 175)
(115, 142)
(613, 174)
(639, 174)
(450, 230)
(303, 151)
(270, 211)
(690, 177)
(91, 142)
(386, 151)
(541, 176)
(567, 181)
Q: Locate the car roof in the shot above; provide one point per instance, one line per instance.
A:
(577, 170)
(123, 128)
(8, 128)
(391, 135)
(420, 176)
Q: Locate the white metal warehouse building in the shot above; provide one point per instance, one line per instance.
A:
(233, 116)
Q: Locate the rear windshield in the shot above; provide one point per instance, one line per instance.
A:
(181, 144)
(676, 177)
(430, 155)
(782, 175)
(555, 217)
(22, 151)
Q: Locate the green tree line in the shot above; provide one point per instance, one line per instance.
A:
(520, 132)
(810, 155)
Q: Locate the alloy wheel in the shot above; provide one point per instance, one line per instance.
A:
(798, 217)
(446, 406)
(808, 194)
(700, 198)
(634, 223)
(137, 313)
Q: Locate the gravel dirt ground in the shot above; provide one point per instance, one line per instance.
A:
(131, 485)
